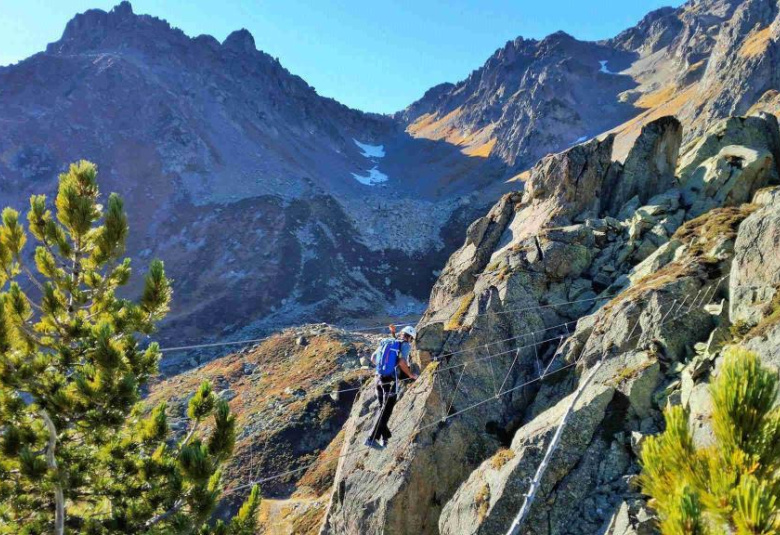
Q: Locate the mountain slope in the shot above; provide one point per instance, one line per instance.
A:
(702, 61)
(272, 205)
(269, 203)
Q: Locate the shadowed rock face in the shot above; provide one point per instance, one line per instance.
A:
(520, 296)
(649, 166)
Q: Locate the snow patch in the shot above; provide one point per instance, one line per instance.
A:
(370, 151)
(604, 68)
(375, 176)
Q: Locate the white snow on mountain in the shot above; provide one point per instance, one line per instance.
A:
(375, 176)
(604, 68)
(370, 151)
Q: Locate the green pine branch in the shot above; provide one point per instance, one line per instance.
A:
(732, 486)
(78, 452)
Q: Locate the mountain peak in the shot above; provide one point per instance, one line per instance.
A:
(123, 9)
(96, 28)
(560, 35)
(240, 41)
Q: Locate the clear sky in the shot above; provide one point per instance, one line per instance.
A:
(376, 56)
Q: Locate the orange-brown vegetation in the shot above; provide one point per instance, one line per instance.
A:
(501, 457)
(477, 143)
(481, 151)
(629, 131)
(756, 43)
(280, 392)
(656, 98)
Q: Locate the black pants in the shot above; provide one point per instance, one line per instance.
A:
(385, 393)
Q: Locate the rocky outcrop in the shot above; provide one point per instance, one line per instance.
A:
(488, 501)
(649, 167)
(473, 428)
(754, 280)
(732, 161)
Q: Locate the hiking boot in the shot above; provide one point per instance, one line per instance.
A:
(373, 444)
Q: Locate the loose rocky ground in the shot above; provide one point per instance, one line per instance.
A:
(284, 393)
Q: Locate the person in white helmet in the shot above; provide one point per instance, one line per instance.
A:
(392, 354)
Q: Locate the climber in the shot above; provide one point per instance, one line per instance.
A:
(391, 354)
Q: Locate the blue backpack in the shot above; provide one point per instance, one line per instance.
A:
(389, 349)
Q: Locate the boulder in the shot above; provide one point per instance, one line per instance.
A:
(759, 133)
(766, 196)
(227, 394)
(729, 178)
(755, 272)
(488, 500)
(648, 168)
(563, 187)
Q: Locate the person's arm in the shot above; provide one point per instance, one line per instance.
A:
(405, 368)
(375, 356)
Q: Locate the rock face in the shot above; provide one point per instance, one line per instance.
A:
(754, 281)
(493, 493)
(546, 285)
(649, 166)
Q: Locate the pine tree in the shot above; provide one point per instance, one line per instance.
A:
(733, 485)
(78, 451)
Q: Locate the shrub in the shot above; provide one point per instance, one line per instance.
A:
(732, 486)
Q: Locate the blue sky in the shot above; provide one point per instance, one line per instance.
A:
(374, 56)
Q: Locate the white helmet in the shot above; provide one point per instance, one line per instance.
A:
(411, 331)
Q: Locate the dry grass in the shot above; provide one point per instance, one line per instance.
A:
(756, 44)
(521, 177)
(267, 382)
(656, 98)
(478, 143)
(696, 66)
(309, 522)
(629, 131)
(502, 457)
(431, 127)
(456, 320)
(630, 372)
(482, 501)
(769, 102)
(319, 479)
(706, 231)
(771, 317)
(700, 235)
(481, 151)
